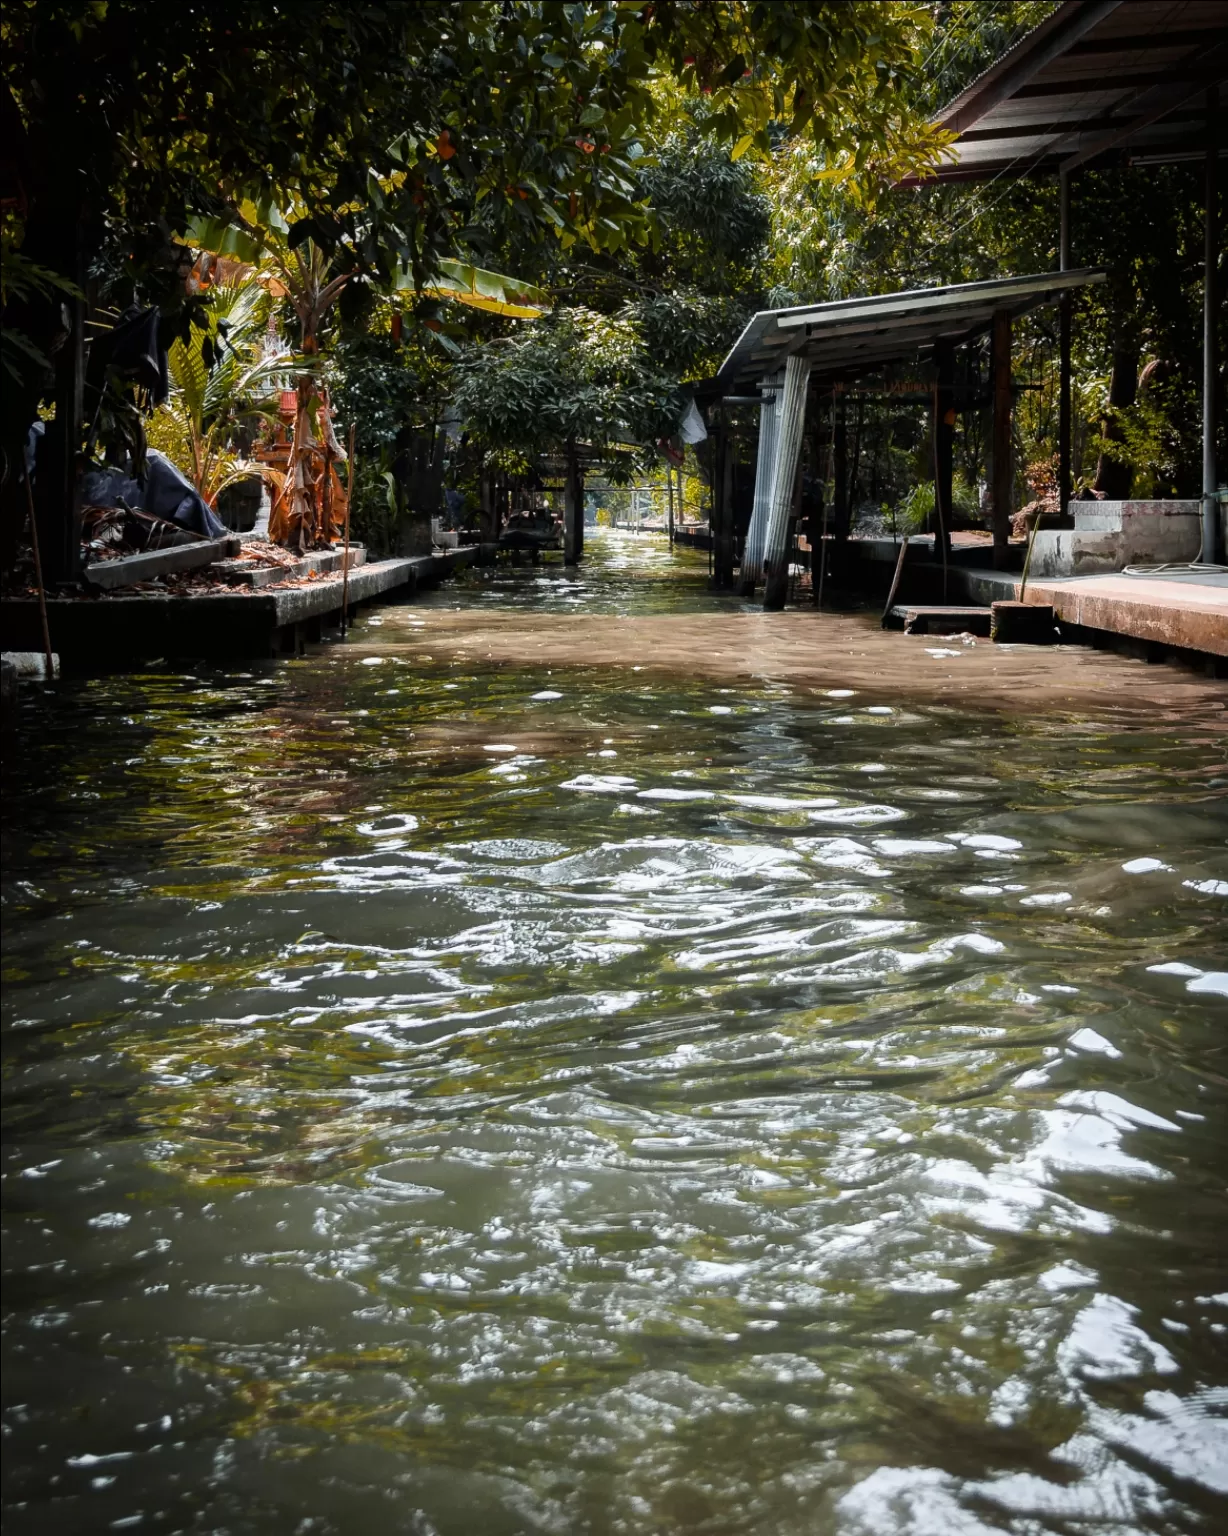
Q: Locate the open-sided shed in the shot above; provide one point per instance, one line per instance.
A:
(782, 352)
(851, 336)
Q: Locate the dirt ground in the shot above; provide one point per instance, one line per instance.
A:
(819, 651)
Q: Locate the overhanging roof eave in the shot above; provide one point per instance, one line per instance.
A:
(862, 333)
(1097, 80)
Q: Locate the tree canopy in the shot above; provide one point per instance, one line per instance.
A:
(651, 171)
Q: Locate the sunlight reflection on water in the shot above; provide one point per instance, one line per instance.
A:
(723, 1138)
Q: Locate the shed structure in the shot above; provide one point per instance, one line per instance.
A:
(1101, 83)
(783, 352)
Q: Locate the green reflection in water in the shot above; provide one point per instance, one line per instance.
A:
(434, 1138)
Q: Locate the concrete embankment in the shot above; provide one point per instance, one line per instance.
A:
(91, 633)
(1185, 611)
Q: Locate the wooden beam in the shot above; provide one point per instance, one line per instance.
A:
(1020, 64)
(1065, 307)
(1122, 135)
(573, 512)
(1211, 551)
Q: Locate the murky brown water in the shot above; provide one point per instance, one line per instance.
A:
(452, 1098)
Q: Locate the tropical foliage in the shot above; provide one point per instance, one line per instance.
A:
(543, 221)
(580, 375)
(222, 378)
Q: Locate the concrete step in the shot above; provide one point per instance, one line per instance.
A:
(255, 574)
(127, 570)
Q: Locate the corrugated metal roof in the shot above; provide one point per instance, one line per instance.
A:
(1097, 80)
(852, 336)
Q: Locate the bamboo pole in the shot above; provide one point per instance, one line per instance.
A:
(49, 674)
(1027, 559)
(895, 581)
(345, 568)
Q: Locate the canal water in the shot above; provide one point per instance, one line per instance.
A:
(746, 1111)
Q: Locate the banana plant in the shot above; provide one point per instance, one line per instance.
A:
(216, 375)
(309, 507)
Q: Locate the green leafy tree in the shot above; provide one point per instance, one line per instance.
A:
(577, 377)
(407, 135)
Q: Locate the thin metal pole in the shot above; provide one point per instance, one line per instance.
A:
(943, 433)
(1210, 513)
(1065, 305)
(49, 674)
(345, 569)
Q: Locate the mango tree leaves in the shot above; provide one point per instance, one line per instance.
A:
(579, 376)
(396, 126)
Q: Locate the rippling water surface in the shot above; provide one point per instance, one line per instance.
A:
(509, 1101)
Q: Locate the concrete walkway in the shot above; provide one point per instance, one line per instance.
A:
(1186, 610)
(1189, 613)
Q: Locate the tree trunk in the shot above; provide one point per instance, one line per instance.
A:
(489, 516)
(573, 512)
(1113, 475)
(418, 476)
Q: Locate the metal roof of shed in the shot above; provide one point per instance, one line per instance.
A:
(852, 336)
(1096, 81)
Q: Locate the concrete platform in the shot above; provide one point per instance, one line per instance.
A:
(1183, 610)
(97, 634)
(1189, 616)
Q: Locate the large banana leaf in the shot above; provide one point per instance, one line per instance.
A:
(264, 229)
(220, 237)
(482, 290)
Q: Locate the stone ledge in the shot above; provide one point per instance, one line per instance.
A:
(98, 632)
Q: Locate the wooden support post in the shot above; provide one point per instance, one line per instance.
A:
(1065, 305)
(722, 509)
(1003, 466)
(352, 470)
(1210, 317)
(488, 513)
(944, 454)
(573, 512)
(840, 466)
